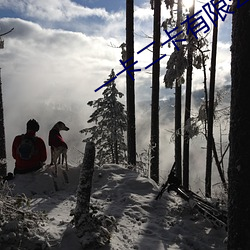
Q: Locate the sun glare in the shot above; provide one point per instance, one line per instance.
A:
(188, 3)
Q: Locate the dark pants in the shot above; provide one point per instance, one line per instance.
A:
(25, 171)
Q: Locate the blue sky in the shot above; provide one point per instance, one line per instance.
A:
(59, 14)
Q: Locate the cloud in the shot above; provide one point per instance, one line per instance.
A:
(50, 75)
(52, 64)
(60, 56)
(143, 13)
(55, 10)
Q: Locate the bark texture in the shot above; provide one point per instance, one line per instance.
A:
(154, 168)
(92, 227)
(239, 161)
(85, 183)
(3, 162)
(131, 130)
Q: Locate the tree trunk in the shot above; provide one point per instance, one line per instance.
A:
(239, 160)
(178, 131)
(178, 91)
(188, 106)
(116, 152)
(154, 168)
(131, 138)
(211, 111)
(81, 215)
(94, 231)
(3, 161)
(218, 164)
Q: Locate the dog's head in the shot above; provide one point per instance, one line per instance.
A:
(61, 126)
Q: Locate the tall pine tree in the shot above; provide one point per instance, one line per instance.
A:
(110, 121)
(130, 83)
(238, 170)
(154, 167)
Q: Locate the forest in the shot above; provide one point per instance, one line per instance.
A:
(187, 37)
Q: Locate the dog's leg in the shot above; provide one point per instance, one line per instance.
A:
(55, 158)
(51, 155)
(63, 157)
(56, 170)
(66, 161)
(59, 159)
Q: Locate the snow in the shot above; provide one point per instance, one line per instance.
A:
(141, 221)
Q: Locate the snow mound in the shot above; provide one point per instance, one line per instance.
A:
(42, 182)
(141, 221)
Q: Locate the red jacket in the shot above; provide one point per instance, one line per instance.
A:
(37, 159)
(55, 139)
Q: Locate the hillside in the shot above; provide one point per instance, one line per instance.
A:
(141, 221)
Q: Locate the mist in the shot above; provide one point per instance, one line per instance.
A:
(50, 73)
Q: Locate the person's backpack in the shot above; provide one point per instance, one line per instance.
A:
(26, 148)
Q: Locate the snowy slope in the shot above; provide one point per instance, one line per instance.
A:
(141, 221)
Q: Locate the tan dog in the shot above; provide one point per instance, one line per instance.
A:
(57, 145)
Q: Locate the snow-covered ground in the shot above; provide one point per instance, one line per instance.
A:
(141, 221)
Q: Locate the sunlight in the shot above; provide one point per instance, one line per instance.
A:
(188, 3)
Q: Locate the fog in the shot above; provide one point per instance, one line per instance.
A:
(49, 74)
(198, 143)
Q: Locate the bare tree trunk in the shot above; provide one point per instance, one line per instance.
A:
(218, 164)
(154, 168)
(178, 131)
(211, 111)
(178, 91)
(188, 106)
(81, 215)
(3, 161)
(239, 159)
(131, 131)
(93, 231)
(116, 152)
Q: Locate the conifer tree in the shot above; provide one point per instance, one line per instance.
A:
(110, 120)
(188, 97)
(130, 83)
(154, 167)
(238, 169)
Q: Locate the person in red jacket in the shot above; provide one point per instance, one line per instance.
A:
(29, 150)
